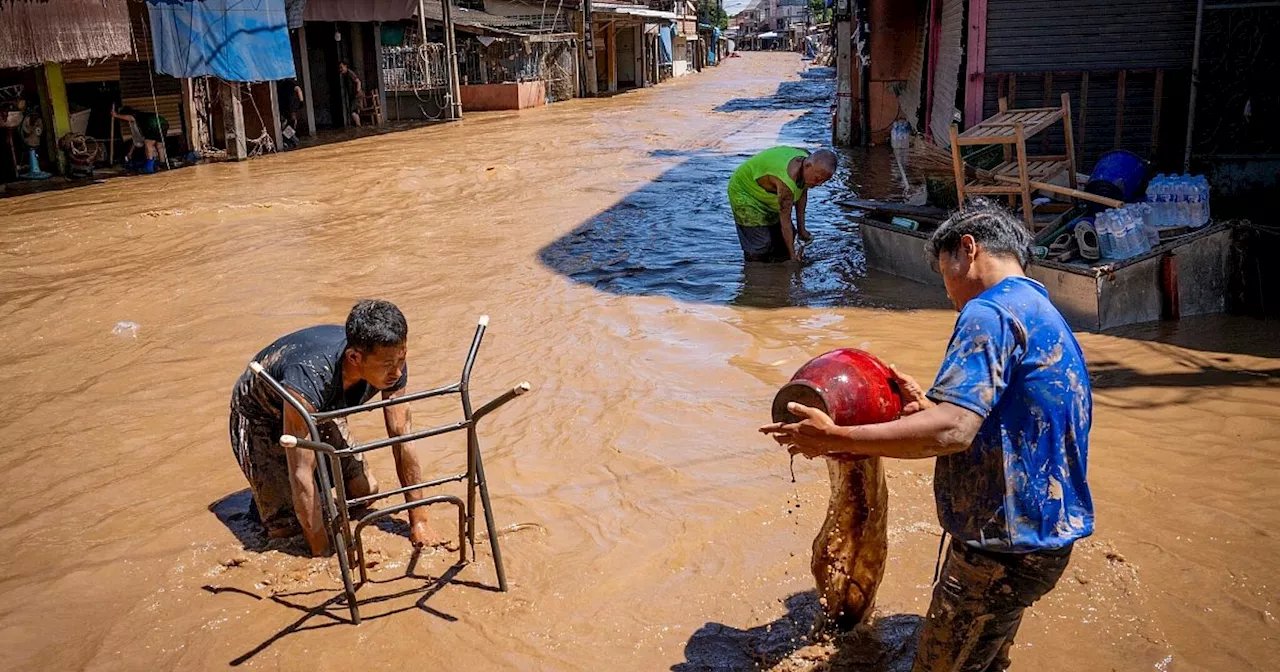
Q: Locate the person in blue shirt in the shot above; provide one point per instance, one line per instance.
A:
(1008, 420)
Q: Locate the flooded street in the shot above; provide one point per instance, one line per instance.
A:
(650, 526)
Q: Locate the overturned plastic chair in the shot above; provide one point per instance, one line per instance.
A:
(336, 507)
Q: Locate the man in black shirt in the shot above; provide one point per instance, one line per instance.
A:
(352, 89)
(326, 367)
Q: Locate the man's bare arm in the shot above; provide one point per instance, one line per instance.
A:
(302, 482)
(399, 421)
(785, 205)
(800, 207)
(941, 429)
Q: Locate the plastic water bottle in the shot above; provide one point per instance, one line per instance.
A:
(1153, 193)
(1149, 225)
(1201, 184)
(1204, 186)
(1125, 244)
(1134, 231)
(1161, 197)
(1102, 225)
(1184, 197)
(1130, 235)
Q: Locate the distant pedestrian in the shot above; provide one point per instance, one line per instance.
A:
(352, 89)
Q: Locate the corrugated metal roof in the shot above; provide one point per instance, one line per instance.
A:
(1057, 35)
(909, 101)
(946, 75)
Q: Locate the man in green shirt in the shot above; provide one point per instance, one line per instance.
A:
(765, 188)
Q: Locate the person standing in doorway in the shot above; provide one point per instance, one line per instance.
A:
(291, 102)
(352, 89)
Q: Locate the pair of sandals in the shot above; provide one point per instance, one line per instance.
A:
(1082, 242)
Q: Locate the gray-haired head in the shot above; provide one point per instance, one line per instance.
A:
(819, 167)
(997, 230)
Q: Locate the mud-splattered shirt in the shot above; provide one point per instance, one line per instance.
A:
(1021, 485)
(308, 362)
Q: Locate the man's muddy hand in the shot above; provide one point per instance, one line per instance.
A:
(814, 436)
(914, 399)
(422, 536)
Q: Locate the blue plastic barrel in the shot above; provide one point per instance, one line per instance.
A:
(1118, 174)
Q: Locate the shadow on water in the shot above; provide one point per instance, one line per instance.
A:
(887, 644)
(675, 236)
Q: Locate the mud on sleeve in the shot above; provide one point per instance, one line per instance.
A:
(980, 359)
(303, 380)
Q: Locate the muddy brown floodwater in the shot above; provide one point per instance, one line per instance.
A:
(654, 528)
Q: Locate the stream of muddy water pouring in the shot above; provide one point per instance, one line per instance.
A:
(596, 235)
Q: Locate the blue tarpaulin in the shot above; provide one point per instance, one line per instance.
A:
(235, 40)
(664, 44)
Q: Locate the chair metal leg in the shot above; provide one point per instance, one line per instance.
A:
(339, 533)
(488, 522)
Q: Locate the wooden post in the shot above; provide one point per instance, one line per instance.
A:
(276, 134)
(957, 165)
(57, 114)
(934, 25)
(190, 126)
(1155, 112)
(357, 53)
(589, 49)
(1120, 84)
(975, 70)
(1084, 105)
(1047, 98)
(844, 81)
(1068, 139)
(639, 55)
(379, 75)
(1002, 106)
(1170, 303)
(577, 73)
(305, 59)
(611, 39)
(233, 120)
(1023, 180)
(451, 49)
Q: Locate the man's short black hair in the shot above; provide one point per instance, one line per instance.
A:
(374, 323)
(994, 228)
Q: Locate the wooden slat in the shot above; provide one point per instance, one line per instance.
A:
(991, 189)
(1120, 84)
(1155, 113)
(1068, 138)
(1023, 178)
(957, 167)
(1084, 105)
(1048, 91)
(1076, 193)
(986, 140)
(1040, 170)
(1032, 120)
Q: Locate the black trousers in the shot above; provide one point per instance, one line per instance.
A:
(978, 604)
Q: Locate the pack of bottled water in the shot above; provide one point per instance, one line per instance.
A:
(1179, 200)
(1126, 232)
